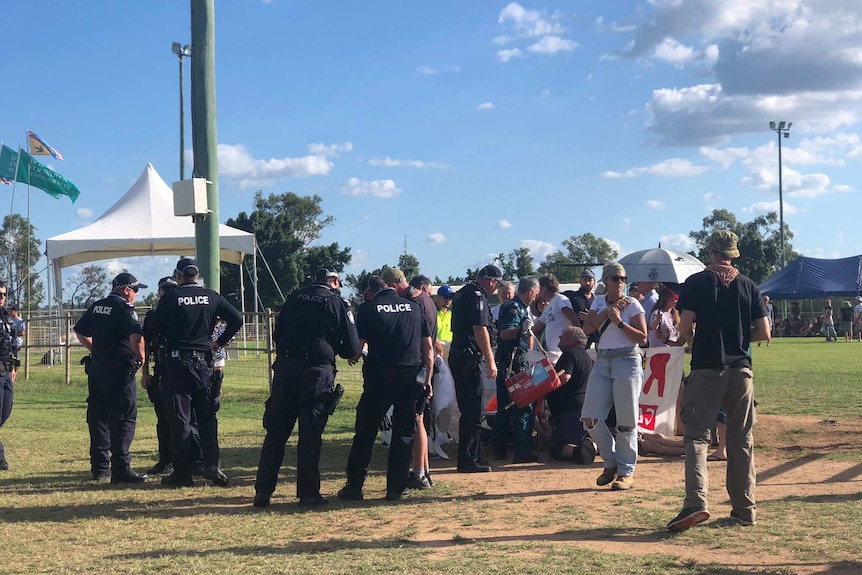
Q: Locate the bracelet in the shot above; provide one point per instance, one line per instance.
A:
(621, 324)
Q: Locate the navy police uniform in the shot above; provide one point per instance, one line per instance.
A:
(7, 338)
(469, 308)
(394, 328)
(314, 325)
(512, 421)
(186, 318)
(112, 409)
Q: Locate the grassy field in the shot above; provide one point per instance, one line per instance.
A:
(54, 520)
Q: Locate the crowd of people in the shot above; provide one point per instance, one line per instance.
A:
(406, 335)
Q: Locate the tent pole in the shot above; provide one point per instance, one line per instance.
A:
(242, 299)
(256, 294)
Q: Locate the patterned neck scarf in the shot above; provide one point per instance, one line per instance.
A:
(725, 273)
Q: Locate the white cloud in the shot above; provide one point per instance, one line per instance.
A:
(670, 168)
(330, 150)
(506, 55)
(552, 45)
(396, 163)
(627, 223)
(435, 238)
(485, 106)
(236, 163)
(539, 249)
(710, 197)
(503, 224)
(527, 22)
(677, 242)
(376, 188)
(655, 204)
(724, 157)
(760, 208)
(84, 213)
(672, 52)
(434, 70)
(427, 70)
(601, 26)
(358, 260)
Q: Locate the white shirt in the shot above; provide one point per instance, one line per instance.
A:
(554, 320)
(614, 338)
(649, 301)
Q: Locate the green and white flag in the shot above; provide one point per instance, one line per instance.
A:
(32, 172)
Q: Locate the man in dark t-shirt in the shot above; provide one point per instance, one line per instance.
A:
(569, 438)
(724, 305)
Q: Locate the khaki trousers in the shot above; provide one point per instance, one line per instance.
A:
(706, 390)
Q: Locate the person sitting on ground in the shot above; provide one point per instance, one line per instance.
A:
(569, 438)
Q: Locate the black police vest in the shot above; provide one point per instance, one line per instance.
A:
(7, 335)
(306, 332)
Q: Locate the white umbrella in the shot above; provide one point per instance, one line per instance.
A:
(660, 265)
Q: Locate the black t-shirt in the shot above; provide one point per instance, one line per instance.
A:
(577, 363)
(429, 310)
(314, 325)
(469, 308)
(187, 315)
(724, 316)
(394, 328)
(110, 322)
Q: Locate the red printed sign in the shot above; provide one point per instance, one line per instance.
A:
(646, 417)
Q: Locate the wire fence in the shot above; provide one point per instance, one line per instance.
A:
(50, 347)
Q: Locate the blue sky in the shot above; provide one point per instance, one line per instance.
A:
(471, 128)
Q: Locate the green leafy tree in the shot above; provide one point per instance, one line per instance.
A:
(285, 226)
(358, 282)
(409, 264)
(87, 286)
(516, 264)
(578, 253)
(759, 242)
(19, 258)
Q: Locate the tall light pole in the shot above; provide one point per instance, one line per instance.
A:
(182, 52)
(783, 130)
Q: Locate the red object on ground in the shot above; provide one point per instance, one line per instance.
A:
(527, 386)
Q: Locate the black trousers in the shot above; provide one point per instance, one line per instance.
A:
(7, 392)
(299, 392)
(468, 392)
(163, 429)
(112, 412)
(186, 396)
(385, 387)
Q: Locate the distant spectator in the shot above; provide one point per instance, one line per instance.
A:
(664, 321)
(770, 317)
(505, 292)
(857, 317)
(829, 322)
(648, 296)
(846, 320)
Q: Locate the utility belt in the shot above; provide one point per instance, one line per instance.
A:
(324, 366)
(5, 367)
(180, 354)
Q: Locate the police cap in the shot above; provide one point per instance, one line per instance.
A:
(125, 280)
(323, 274)
(491, 272)
(167, 283)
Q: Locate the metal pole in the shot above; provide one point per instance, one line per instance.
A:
(182, 121)
(205, 137)
(780, 203)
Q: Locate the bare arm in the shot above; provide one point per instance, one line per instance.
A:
(538, 327)
(761, 330)
(686, 327)
(428, 362)
(483, 339)
(137, 342)
(571, 316)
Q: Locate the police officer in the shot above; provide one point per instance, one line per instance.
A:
(110, 331)
(515, 341)
(157, 350)
(399, 344)
(7, 366)
(472, 328)
(186, 317)
(314, 325)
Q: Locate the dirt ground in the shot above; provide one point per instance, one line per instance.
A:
(791, 463)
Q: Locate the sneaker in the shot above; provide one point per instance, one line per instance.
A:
(420, 482)
(261, 500)
(312, 502)
(217, 476)
(397, 496)
(623, 483)
(687, 518)
(428, 477)
(473, 467)
(608, 475)
(585, 454)
(741, 521)
(350, 493)
(4, 465)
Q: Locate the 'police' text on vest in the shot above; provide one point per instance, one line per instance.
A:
(194, 300)
(393, 308)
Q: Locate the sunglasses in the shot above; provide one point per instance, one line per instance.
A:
(134, 288)
(3, 293)
(621, 279)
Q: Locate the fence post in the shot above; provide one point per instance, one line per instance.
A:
(67, 349)
(27, 350)
(269, 351)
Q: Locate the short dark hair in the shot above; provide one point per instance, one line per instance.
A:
(549, 282)
(420, 281)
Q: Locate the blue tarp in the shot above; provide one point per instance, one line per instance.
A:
(810, 278)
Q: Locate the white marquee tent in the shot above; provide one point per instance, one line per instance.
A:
(141, 223)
